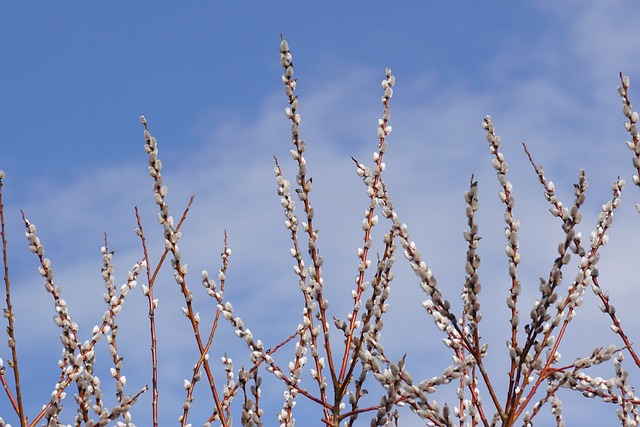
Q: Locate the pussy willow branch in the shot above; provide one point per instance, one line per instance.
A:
(588, 273)
(11, 319)
(435, 305)
(71, 364)
(570, 218)
(68, 336)
(371, 319)
(569, 222)
(369, 222)
(152, 321)
(574, 293)
(631, 126)
(634, 145)
(300, 270)
(471, 317)
(511, 250)
(316, 282)
(171, 238)
(107, 275)
(151, 280)
(214, 326)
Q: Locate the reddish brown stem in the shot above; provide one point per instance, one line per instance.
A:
(10, 317)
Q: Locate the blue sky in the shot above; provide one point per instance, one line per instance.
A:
(75, 79)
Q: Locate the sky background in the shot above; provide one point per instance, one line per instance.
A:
(76, 77)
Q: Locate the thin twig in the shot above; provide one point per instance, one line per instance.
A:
(152, 322)
(9, 313)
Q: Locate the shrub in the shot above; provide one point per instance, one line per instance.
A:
(352, 377)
